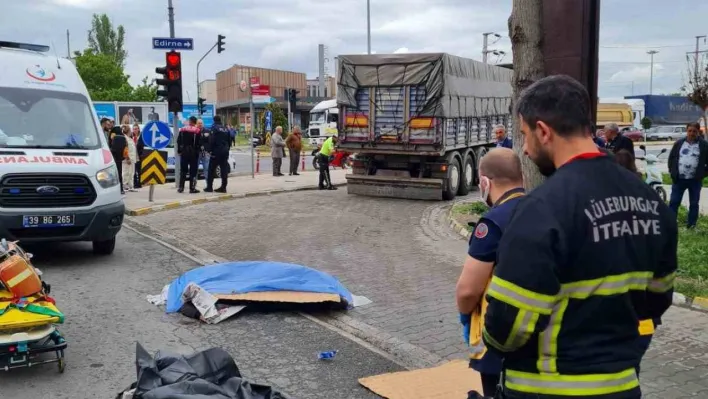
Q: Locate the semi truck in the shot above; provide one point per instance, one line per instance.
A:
(323, 121)
(418, 123)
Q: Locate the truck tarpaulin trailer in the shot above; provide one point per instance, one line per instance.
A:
(419, 123)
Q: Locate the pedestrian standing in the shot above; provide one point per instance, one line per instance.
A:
(119, 147)
(294, 144)
(326, 151)
(140, 148)
(616, 141)
(277, 150)
(219, 143)
(232, 133)
(688, 166)
(130, 160)
(503, 140)
(188, 147)
(502, 187)
(204, 150)
(585, 258)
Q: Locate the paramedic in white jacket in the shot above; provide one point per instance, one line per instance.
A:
(130, 160)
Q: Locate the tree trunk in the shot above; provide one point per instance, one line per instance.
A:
(526, 33)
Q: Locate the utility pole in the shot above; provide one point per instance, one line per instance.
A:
(368, 26)
(68, 45)
(290, 124)
(485, 45)
(695, 69)
(175, 115)
(651, 74)
(253, 123)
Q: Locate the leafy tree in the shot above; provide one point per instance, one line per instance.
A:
(104, 39)
(146, 91)
(279, 118)
(646, 123)
(697, 88)
(100, 73)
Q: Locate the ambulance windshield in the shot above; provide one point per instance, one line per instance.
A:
(31, 118)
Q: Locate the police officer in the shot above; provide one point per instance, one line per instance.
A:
(188, 146)
(219, 144)
(585, 257)
(323, 156)
(501, 184)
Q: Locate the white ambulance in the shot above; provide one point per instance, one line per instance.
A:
(58, 180)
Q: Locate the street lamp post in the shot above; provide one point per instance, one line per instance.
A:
(368, 26)
(651, 73)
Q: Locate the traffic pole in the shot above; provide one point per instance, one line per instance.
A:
(303, 161)
(175, 118)
(258, 161)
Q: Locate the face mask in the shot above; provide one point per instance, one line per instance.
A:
(485, 186)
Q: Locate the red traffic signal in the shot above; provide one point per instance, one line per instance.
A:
(174, 59)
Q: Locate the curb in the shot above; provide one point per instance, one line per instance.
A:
(405, 354)
(696, 303)
(216, 198)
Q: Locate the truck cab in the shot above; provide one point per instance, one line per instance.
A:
(323, 122)
(58, 179)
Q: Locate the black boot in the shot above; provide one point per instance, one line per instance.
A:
(181, 186)
(193, 187)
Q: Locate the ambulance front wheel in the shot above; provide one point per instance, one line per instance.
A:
(104, 247)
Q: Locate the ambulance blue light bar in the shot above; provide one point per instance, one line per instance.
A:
(25, 46)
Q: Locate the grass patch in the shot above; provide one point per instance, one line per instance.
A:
(692, 251)
(666, 179)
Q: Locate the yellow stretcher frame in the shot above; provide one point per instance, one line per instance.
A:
(15, 319)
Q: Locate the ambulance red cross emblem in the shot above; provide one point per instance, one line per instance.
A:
(481, 230)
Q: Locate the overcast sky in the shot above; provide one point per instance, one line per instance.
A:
(284, 34)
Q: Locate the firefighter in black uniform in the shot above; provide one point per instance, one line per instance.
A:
(586, 256)
(219, 144)
(502, 186)
(188, 146)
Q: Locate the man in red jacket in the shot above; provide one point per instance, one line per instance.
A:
(188, 146)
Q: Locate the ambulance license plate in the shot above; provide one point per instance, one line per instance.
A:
(48, 221)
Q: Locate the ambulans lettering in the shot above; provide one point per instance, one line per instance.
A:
(40, 159)
(635, 226)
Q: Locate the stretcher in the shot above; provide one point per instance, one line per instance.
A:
(28, 316)
(28, 333)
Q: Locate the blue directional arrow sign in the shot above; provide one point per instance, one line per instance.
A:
(166, 43)
(268, 121)
(156, 135)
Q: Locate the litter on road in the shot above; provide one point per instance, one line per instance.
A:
(216, 292)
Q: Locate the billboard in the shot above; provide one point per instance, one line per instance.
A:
(192, 110)
(669, 110)
(105, 110)
(141, 113)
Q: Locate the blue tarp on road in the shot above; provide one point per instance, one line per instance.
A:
(254, 276)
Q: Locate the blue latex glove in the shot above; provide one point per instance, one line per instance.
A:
(466, 321)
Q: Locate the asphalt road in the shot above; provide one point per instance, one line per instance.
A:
(404, 257)
(243, 163)
(103, 299)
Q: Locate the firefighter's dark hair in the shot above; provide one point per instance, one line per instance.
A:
(559, 101)
(694, 124)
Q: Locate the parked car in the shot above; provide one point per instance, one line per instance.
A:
(666, 132)
(632, 134)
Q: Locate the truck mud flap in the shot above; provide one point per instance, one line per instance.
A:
(395, 187)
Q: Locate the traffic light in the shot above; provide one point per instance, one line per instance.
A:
(220, 44)
(292, 98)
(171, 81)
(201, 105)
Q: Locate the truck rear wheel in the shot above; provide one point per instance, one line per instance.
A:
(104, 247)
(468, 174)
(453, 180)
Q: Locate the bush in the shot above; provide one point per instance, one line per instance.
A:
(470, 208)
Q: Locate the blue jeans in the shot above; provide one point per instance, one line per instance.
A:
(204, 160)
(694, 195)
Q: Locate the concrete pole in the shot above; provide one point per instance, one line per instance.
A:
(651, 73)
(485, 45)
(175, 116)
(368, 26)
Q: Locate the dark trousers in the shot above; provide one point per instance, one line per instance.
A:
(136, 177)
(694, 195)
(233, 141)
(277, 164)
(119, 165)
(294, 160)
(222, 161)
(325, 179)
(489, 384)
(188, 163)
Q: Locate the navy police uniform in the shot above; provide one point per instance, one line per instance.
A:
(483, 247)
(586, 257)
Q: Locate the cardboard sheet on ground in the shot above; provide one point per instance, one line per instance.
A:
(450, 380)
